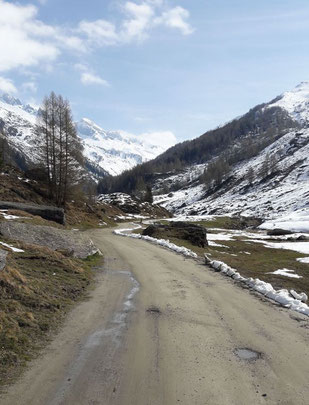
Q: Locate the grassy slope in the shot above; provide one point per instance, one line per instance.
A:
(37, 288)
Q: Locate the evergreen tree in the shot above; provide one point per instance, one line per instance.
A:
(148, 196)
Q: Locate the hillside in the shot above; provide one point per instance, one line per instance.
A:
(254, 165)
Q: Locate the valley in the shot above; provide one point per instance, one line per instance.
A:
(162, 327)
(154, 202)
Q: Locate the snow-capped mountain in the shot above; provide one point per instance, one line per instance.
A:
(114, 151)
(295, 102)
(273, 183)
(18, 121)
(106, 152)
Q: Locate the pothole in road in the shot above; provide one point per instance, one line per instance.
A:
(247, 354)
(153, 310)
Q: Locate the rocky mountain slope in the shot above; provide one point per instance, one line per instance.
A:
(106, 152)
(112, 151)
(272, 183)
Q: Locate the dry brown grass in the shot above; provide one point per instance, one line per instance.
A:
(37, 288)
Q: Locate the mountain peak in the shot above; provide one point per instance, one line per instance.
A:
(8, 99)
(295, 102)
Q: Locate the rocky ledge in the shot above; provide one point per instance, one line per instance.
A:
(72, 243)
(47, 212)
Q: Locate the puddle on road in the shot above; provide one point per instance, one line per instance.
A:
(247, 354)
(118, 323)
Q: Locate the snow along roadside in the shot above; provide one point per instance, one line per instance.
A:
(288, 299)
(161, 242)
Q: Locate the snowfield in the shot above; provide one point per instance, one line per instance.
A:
(295, 222)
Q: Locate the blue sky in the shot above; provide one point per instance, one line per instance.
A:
(160, 69)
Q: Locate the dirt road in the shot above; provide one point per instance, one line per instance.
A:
(162, 329)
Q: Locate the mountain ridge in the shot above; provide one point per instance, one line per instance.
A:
(106, 152)
(254, 165)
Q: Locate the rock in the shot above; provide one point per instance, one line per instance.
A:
(3, 255)
(278, 232)
(181, 230)
(73, 243)
(302, 238)
(299, 296)
(47, 212)
(207, 259)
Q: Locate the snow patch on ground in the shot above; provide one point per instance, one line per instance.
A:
(214, 244)
(295, 222)
(303, 260)
(286, 273)
(300, 247)
(14, 249)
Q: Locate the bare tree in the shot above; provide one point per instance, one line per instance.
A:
(59, 146)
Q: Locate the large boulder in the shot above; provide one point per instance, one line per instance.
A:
(195, 234)
(47, 212)
(278, 232)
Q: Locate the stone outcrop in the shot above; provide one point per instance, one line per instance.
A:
(278, 232)
(72, 242)
(3, 255)
(47, 212)
(195, 234)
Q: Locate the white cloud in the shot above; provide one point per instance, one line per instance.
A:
(27, 42)
(30, 86)
(7, 86)
(99, 32)
(176, 18)
(165, 139)
(19, 42)
(139, 20)
(88, 78)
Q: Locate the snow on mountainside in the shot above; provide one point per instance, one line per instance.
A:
(283, 191)
(109, 152)
(113, 151)
(18, 120)
(295, 102)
